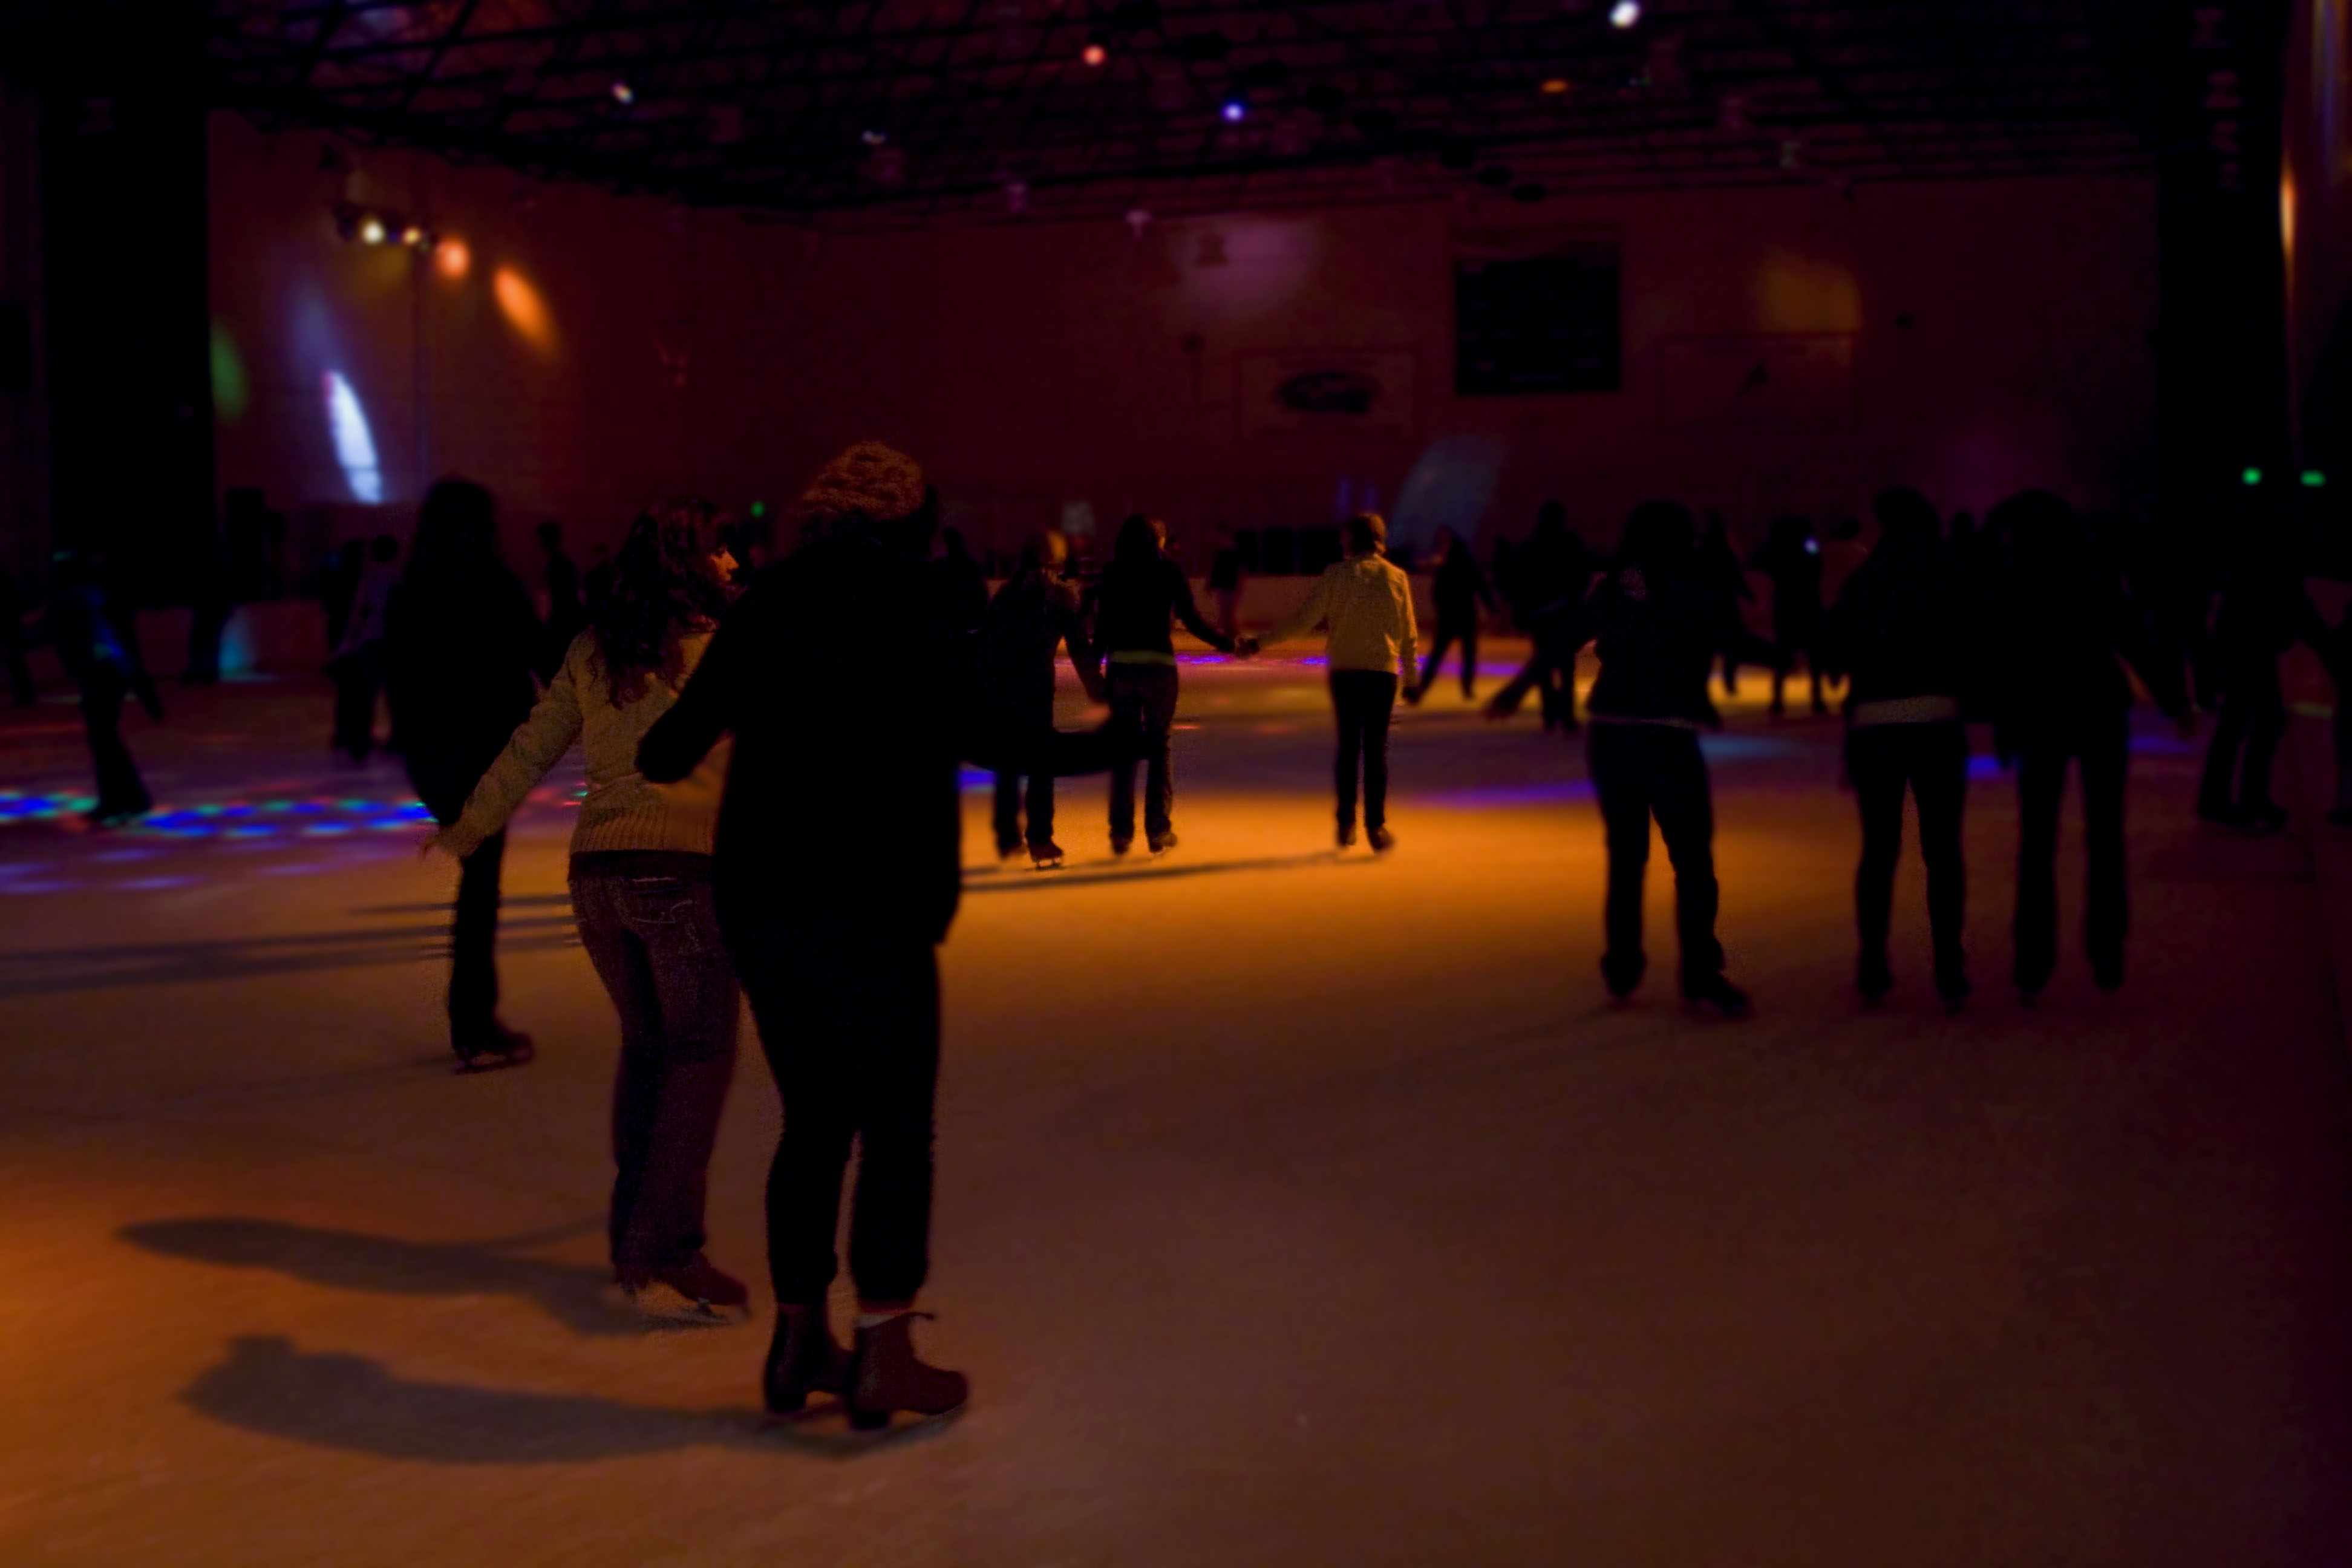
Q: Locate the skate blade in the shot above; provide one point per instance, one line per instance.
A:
(495, 1061)
(661, 1309)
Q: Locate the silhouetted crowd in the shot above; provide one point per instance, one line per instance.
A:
(720, 854)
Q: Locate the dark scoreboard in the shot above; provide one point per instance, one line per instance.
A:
(1544, 324)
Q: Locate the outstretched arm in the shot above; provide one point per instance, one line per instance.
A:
(538, 741)
(1305, 618)
(1189, 614)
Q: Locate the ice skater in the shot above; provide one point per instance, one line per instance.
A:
(1900, 633)
(1460, 589)
(1659, 627)
(1032, 618)
(1140, 592)
(640, 876)
(2265, 612)
(1554, 571)
(2062, 698)
(460, 644)
(1791, 558)
(101, 654)
(832, 908)
(1366, 603)
(357, 668)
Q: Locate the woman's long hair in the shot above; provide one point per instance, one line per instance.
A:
(662, 587)
(1138, 538)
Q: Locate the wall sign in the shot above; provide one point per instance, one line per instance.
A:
(1282, 392)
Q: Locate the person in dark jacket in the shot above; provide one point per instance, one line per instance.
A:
(1791, 558)
(100, 649)
(1556, 568)
(1900, 633)
(1140, 592)
(461, 645)
(1460, 590)
(1032, 618)
(963, 583)
(2062, 697)
(1719, 568)
(2265, 612)
(1659, 627)
(1225, 582)
(833, 926)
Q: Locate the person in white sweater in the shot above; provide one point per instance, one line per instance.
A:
(641, 889)
(1365, 603)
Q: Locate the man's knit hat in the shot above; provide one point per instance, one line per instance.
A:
(869, 482)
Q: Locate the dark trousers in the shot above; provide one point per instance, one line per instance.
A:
(358, 677)
(1556, 692)
(442, 781)
(2101, 749)
(1640, 771)
(1932, 761)
(1451, 630)
(120, 790)
(1363, 701)
(1143, 696)
(2246, 736)
(1011, 801)
(850, 1023)
(655, 946)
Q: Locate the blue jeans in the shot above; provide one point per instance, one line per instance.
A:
(655, 942)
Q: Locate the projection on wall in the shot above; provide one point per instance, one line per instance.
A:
(354, 443)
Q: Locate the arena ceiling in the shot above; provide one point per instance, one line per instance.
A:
(915, 111)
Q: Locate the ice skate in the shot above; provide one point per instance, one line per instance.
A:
(1714, 994)
(1162, 841)
(1045, 856)
(1382, 840)
(804, 1358)
(492, 1046)
(886, 1378)
(1347, 836)
(697, 1288)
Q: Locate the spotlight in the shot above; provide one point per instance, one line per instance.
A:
(453, 259)
(1094, 53)
(1555, 86)
(2253, 477)
(873, 137)
(624, 94)
(2314, 479)
(414, 236)
(1625, 13)
(1138, 220)
(371, 230)
(1234, 110)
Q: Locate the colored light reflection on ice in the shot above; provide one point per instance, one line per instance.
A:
(525, 308)
(354, 443)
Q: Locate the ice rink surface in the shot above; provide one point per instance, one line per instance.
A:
(1293, 1208)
